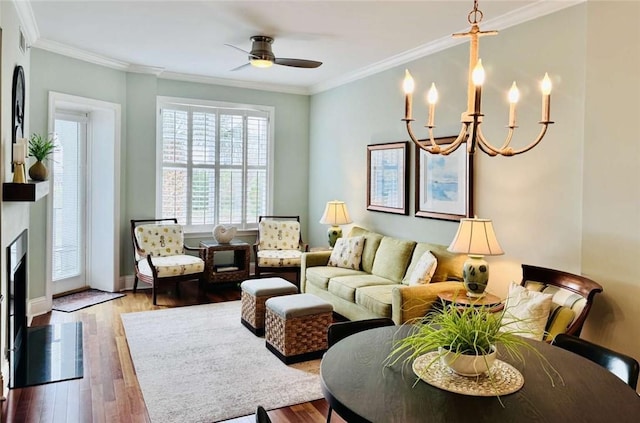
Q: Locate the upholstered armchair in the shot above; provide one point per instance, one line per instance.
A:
(279, 245)
(160, 254)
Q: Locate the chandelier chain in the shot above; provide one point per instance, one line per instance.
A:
(475, 16)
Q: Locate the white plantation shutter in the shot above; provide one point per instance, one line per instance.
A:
(215, 164)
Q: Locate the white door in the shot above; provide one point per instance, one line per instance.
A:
(69, 174)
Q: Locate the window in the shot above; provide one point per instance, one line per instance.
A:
(214, 163)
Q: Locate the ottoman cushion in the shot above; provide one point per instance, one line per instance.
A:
(268, 287)
(298, 305)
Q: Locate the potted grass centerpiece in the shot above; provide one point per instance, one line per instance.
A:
(464, 340)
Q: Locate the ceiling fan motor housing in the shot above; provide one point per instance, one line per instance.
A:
(261, 48)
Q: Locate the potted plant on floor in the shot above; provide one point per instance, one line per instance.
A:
(40, 148)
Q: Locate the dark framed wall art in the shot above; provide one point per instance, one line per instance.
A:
(444, 184)
(387, 177)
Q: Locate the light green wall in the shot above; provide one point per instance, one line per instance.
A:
(567, 203)
(53, 72)
(137, 94)
(611, 209)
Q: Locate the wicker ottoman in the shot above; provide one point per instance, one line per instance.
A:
(254, 293)
(296, 327)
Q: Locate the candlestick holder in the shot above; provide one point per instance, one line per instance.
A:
(19, 175)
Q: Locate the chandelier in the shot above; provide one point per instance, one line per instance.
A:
(471, 119)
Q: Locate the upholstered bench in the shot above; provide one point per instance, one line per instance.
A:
(296, 327)
(253, 296)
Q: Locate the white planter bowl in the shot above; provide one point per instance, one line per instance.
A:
(467, 365)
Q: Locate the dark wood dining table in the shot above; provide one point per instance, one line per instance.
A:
(361, 388)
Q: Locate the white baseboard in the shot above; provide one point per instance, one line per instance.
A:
(127, 282)
(37, 307)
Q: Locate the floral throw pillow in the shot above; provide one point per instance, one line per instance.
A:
(347, 253)
(424, 270)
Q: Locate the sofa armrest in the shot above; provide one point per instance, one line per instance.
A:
(315, 258)
(413, 302)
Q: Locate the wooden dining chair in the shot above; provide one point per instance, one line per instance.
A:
(338, 331)
(262, 416)
(621, 365)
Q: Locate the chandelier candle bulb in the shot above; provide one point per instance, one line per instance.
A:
(432, 99)
(478, 79)
(514, 96)
(546, 97)
(408, 86)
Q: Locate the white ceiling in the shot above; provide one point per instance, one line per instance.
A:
(185, 39)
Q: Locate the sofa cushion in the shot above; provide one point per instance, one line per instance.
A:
(319, 276)
(345, 286)
(376, 299)
(371, 244)
(347, 253)
(449, 264)
(392, 258)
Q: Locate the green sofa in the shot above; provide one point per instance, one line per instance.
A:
(379, 288)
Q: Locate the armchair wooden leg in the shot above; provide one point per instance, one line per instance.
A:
(329, 414)
(135, 284)
(154, 293)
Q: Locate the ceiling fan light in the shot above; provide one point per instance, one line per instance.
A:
(261, 63)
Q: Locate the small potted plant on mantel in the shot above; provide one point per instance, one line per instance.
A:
(40, 148)
(464, 339)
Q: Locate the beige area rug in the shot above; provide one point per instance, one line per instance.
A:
(199, 364)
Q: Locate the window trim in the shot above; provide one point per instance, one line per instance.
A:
(180, 102)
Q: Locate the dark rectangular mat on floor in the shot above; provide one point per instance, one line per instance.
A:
(80, 300)
(50, 353)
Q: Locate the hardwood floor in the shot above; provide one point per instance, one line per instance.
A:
(109, 391)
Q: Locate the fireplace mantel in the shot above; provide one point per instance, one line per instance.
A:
(31, 191)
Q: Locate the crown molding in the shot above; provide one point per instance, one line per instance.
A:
(287, 89)
(76, 53)
(27, 21)
(516, 17)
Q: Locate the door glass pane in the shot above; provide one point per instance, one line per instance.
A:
(67, 258)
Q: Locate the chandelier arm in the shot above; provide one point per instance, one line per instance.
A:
(491, 150)
(457, 142)
(433, 149)
(543, 131)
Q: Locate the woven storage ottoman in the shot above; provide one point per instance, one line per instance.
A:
(296, 327)
(254, 294)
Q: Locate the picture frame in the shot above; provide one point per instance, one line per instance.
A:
(387, 177)
(444, 184)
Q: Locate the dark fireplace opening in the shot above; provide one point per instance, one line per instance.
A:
(37, 354)
(17, 308)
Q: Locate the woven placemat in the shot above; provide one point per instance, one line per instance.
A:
(505, 379)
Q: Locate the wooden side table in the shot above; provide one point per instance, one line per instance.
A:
(221, 272)
(459, 298)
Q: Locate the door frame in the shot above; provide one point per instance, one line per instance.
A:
(103, 213)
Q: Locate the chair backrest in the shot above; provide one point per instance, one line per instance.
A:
(158, 237)
(262, 416)
(569, 291)
(279, 233)
(340, 330)
(621, 365)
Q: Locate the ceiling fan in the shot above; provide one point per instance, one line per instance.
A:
(261, 55)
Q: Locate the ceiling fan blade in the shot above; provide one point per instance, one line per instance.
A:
(297, 63)
(239, 49)
(241, 67)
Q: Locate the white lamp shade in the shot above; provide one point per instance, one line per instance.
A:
(336, 213)
(476, 237)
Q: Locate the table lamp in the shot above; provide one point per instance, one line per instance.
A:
(476, 238)
(335, 214)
